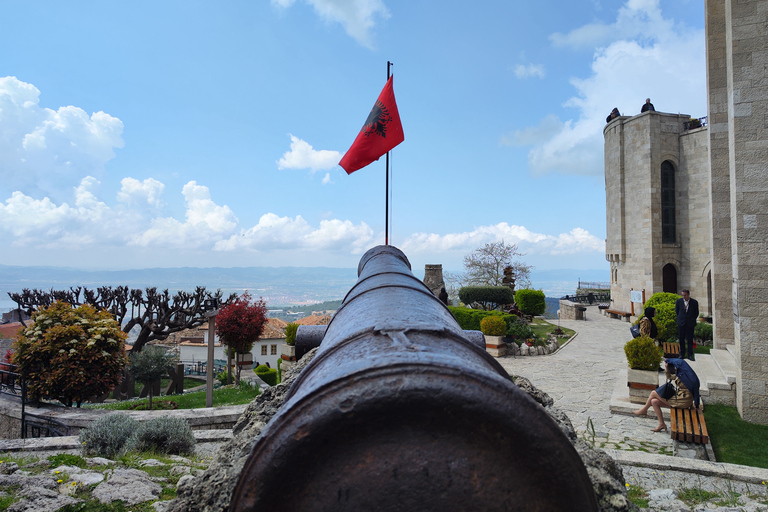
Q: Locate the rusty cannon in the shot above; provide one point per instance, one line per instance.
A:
(399, 411)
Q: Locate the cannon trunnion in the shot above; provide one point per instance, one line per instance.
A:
(399, 411)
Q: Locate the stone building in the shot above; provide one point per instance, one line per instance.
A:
(686, 207)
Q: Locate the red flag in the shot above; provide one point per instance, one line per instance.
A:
(381, 132)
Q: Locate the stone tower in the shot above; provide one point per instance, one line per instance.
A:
(433, 278)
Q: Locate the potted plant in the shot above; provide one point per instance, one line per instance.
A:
(643, 357)
(494, 328)
(288, 351)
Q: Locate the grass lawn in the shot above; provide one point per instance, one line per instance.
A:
(735, 440)
(542, 328)
(226, 395)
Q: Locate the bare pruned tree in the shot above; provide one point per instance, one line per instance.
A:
(485, 265)
(156, 313)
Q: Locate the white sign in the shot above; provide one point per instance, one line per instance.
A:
(636, 296)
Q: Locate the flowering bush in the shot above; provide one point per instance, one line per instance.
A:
(70, 354)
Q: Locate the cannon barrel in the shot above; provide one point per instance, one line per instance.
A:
(398, 410)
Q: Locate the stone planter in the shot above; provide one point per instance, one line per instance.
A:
(495, 346)
(288, 352)
(640, 384)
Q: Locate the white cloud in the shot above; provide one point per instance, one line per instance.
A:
(303, 156)
(665, 62)
(45, 150)
(577, 240)
(274, 233)
(135, 191)
(358, 17)
(531, 70)
(327, 178)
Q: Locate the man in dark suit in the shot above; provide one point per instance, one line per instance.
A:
(687, 312)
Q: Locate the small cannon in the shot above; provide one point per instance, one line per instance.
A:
(400, 411)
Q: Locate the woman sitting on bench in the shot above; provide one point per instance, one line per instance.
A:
(684, 394)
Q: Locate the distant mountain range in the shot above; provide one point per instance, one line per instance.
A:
(279, 286)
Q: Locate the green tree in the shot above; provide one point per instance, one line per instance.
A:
(531, 302)
(70, 354)
(150, 365)
(240, 324)
(488, 297)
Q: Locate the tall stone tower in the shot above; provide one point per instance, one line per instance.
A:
(737, 83)
(433, 278)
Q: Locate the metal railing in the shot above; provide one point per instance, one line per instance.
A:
(590, 298)
(41, 426)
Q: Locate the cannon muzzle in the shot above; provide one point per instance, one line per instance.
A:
(398, 410)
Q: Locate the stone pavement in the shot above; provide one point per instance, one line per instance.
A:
(581, 378)
(584, 377)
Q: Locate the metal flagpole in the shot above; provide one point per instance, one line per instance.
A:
(386, 199)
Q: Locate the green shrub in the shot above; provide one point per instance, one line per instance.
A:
(222, 377)
(519, 330)
(162, 435)
(665, 319)
(290, 333)
(643, 354)
(267, 374)
(703, 331)
(493, 326)
(531, 302)
(279, 370)
(107, 435)
(489, 297)
(469, 319)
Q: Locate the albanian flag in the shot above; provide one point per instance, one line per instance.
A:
(381, 132)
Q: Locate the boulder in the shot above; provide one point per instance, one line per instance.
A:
(130, 485)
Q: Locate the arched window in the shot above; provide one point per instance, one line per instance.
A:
(668, 233)
(669, 278)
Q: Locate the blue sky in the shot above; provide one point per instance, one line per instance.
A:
(167, 134)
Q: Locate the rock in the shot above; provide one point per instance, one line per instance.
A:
(44, 481)
(161, 506)
(86, 477)
(186, 480)
(662, 494)
(670, 505)
(180, 469)
(8, 468)
(180, 459)
(130, 485)
(40, 499)
(99, 461)
(149, 463)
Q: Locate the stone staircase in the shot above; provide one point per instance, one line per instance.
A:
(717, 376)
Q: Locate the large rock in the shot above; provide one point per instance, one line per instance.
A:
(40, 499)
(130, 485)
(212, 491)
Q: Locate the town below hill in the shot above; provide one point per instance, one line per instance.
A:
(280, 287)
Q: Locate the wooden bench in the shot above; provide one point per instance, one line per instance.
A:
(618, 314)
(671, 349)
(688, 426)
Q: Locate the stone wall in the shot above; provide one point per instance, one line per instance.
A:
(747, 94)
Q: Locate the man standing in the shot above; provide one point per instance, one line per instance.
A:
(687, 312)
(647, 106)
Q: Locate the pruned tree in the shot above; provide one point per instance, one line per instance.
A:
(157, 314)
(488, 297)
(240, 324)
(485, 265)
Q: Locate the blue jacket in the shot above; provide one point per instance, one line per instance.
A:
(687, 376)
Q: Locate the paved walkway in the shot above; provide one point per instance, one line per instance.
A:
(581, 377)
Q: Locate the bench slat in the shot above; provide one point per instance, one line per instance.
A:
(673, 420)
(696, 432)
(704, 434)
(688, 427)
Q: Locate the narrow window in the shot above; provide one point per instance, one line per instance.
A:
(668, 234)
(263, 350)
(274, 350)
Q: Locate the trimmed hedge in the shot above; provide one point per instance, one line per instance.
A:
(267, 374)
(531, 302)
(665, 319)
(490, 297)
(469, 319)
(643, 353)
(493, 325)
